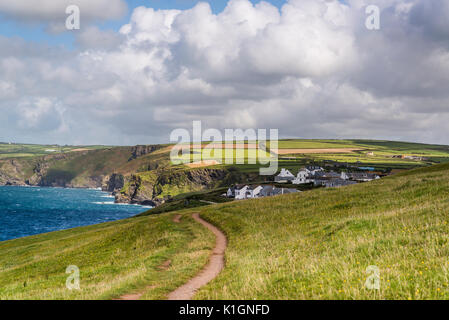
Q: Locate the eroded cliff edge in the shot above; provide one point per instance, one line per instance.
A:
(139, 175)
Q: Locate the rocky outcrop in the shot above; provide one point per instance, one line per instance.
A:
(139, 151)
(114, 183)
(162, 185)
(39, 171)
(6, 180)
(11, 173)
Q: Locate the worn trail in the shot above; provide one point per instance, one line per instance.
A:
(210, 271)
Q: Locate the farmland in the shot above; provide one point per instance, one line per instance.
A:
(295, 153)
(32, 150)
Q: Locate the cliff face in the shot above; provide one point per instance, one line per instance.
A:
(11, 173)
(114, 183)
(133, 174)
(86, 169)
(161, 185)
(139, 151)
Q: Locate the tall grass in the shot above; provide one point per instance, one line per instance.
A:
(319, 244)
(113, 259)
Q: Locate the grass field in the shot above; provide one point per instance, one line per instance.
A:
(319, 244)
(31, 150)
(113, 258)
(313, 245)
(294, 153)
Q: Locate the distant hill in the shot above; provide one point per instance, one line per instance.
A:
(144, 174)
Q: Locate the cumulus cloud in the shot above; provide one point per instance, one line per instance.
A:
(311, 69)
(92, 37)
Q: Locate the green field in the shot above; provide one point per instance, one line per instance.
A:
(313, 245)
(382, 158)
(318, 245)
(32, 150)
(113, 259)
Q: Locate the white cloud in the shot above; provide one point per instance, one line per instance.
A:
(41, 114)
(92, 37)
(311, 69)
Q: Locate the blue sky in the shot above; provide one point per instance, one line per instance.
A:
(37, 33)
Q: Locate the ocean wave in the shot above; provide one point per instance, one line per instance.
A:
(124, 204)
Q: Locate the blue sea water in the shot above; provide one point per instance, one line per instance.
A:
(26, 211)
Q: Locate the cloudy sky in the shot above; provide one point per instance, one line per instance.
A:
(136, 70)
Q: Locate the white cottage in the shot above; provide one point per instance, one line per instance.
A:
(240, 192)
(284, 176)
(302, 177)
(255, 192)
(344, 176)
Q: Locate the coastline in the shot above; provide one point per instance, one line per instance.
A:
(23, 218)
(146, 203)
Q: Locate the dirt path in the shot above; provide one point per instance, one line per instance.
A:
(212, 269)
(177, 218)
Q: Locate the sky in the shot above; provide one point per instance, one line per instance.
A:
(137, 70)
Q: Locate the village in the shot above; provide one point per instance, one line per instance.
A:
(311, 175)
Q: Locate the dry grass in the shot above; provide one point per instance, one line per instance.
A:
(202, 164)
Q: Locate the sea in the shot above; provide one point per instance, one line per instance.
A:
(26, 211)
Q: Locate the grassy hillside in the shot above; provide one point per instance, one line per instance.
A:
(318, 244)
(313, 245)
(113, 258)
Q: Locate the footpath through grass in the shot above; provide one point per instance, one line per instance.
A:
(319, 244)
(114, 259)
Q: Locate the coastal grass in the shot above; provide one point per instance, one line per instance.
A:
(313, 245)
(319, 244)
(149, 255)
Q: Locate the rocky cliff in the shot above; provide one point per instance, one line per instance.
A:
(158, 186)
(139, 151)
(133, 174)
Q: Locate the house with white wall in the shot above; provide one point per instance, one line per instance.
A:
(240, 192)
(302, 177)
(255, 192)
(284, 176)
